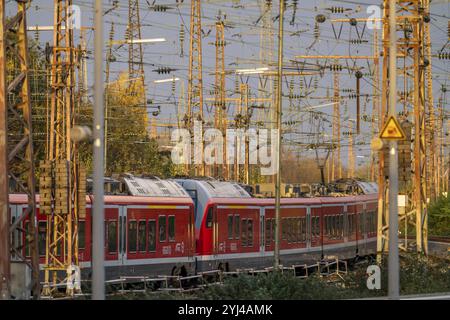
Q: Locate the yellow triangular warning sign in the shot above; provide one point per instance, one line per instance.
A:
(392, 130)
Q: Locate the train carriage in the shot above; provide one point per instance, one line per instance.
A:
(149, 232)
(188, 225)
(234, 230)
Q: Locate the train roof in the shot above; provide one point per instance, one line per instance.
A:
(218, 189)
(134, 200)
(264, 202)
(154, 187)
(368, 187)
(114, 199)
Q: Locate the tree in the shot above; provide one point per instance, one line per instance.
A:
(130, 149)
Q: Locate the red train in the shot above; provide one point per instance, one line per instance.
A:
(185, 226)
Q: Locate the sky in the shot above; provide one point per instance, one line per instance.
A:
(243, 50)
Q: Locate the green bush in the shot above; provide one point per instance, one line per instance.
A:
(439, 217)
(419, 275)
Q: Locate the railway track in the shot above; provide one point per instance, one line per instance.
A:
(331, 269)
(439, 239)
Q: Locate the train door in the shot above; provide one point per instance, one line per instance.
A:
(193, 194)
(84, 232)
(316, 227)
(308, 227)
(345, 223)
(216, 244)
(19, 235)
(16, 239)
(262, 228)
(269, 229)
(122, 235)
(112, 222)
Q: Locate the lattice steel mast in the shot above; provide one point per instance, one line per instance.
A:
(16, 160)
(221, 116)
(62, 184)
(336, 163)
(135, 50)
(411, 20)
(195, 83)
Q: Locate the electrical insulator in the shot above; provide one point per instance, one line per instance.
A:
(444, 56)
(320, 18)
(358, 41)
(294, 11)
(220, 43)
(337, 9)
(182, 37)
(237, 85)
(366, 118)
(173, 87)
(335, 67)
(36, 35)
(448, 30)
(160, 8)
(316, 31)
(316, 83)
(291, 86)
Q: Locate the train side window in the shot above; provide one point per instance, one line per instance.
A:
(244, 233)
(268, 231)
(361, 223)
(336, 226)
(297, 230)
(284, 229)
(273, 230)
(42, 237)
(27, 244)
(132, 235)
(171, 228)
(81, 235)
(350, 224)
(230, 227)
(142, 236)
(318, 226)
(111, 236)
(288, 230)
(152, 235)
(293, 230)
(313, 227)
(250, 233)
(330, 226)
(237, 226)
(209, 218)
(303, 228)
(162, 228)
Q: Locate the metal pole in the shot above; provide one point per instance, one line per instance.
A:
(393, 261)
(278, 155)
(98, 251)
(4, 186)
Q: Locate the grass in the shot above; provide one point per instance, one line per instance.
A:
(419, 275)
